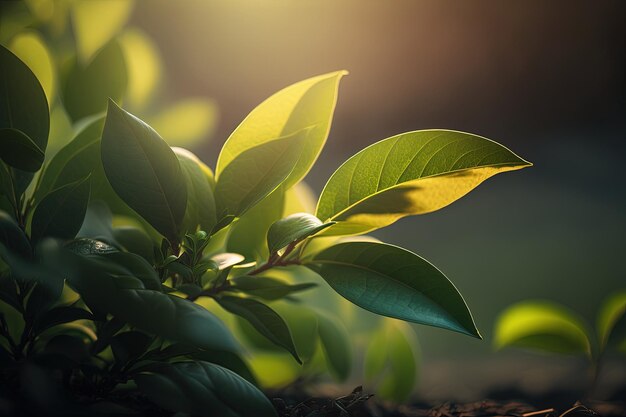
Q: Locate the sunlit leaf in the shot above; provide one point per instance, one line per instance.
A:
(541, 325)
(256, 172)
(265, 320)
(60, 213)
(293, 228)
(144, 171)
(32, 50)
(200, 211)
(412, 173)
(299, 199)
(143, 65)
(186, 123)
(20, 151)
(394, 282)
(203, 389)
(248, 234)
(611, 315)
(391, 361)
(95, 22)
(89, 86)
(272, 370)
(307, 103)
(337, 346)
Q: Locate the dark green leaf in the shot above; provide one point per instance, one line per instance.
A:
(111, 288)
(23, 103)
(266, 287)
(144, 171)
(201, 211)
(88, 87)
(129, 345)
(138, 267)
(20, 151)
(13, 237)
(60, 315)
(265, 320)
(412, 173)
(293, 228)
(203, 389)
(394, 282)
(60, 214)
(256, 172)
(86, 246)
(135, 240)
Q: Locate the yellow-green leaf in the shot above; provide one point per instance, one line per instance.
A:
(541, 325)
(308, 103)
(412, 173)
(96, 22)
(257, 172)
(391, 361)
(187, 122)
(613, 311)
(32, 50)
(143, 64)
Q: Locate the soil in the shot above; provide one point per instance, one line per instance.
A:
(360, 404)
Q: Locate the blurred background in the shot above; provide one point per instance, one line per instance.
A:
(547, 79)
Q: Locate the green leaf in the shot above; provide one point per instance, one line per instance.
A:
(186, 123)
(19, 151)
(612, 313)
(267, 288)
(337, 347)
(144, 171)
(307, 103)
(248, 235)
(76, 160)
(265, 320)
(203, 389)
(95, 22)
(394, 282)
(23, 104)
(61, 315)
(226, 260)
(391, 361)
(60, 214)
(111, 288)
(144, 66)
(13, 237)
(543, 326)
(86, 246)
(90, 86)
(412, 173)
(138, 267)
(201, 211)
(129, 345)
(293, 228)
(256, 172)
(32, 50)
(136, 241)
